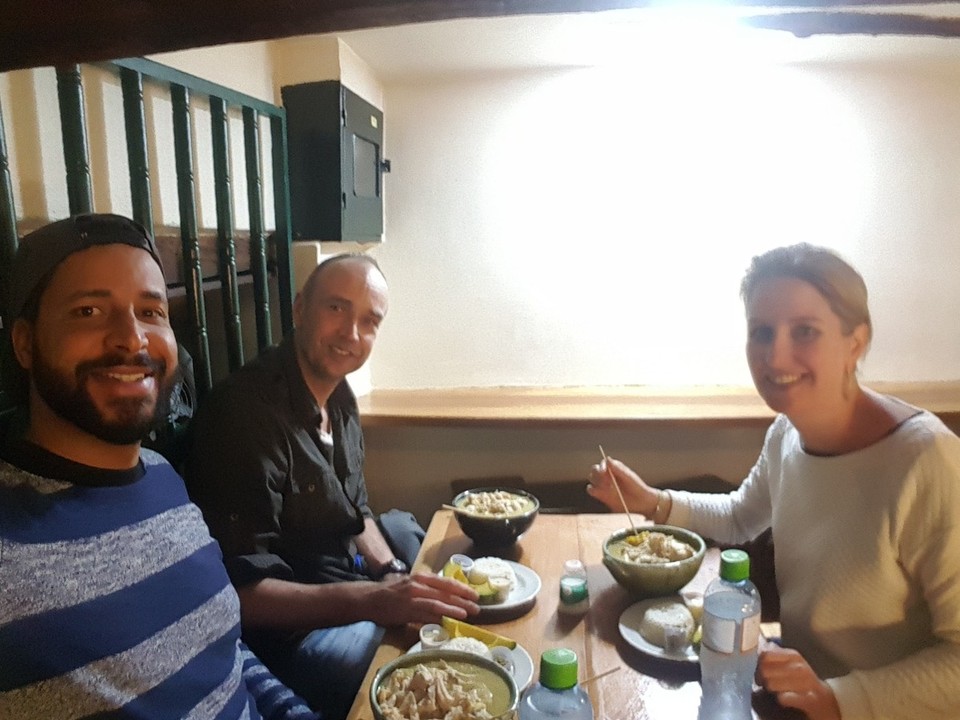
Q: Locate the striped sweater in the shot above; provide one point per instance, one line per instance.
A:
(113, 600)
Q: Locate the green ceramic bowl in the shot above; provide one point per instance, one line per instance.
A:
(499, 676)
(647, 580)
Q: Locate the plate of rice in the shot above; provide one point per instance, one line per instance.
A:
(641, 625)
(523, 585)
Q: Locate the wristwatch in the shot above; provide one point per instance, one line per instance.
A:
(394, 566)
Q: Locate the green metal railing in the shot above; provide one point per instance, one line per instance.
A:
(8, 215)
(136, 134)
(76, 152)
(134, 74)
(190, 236)
(258, 238)
(8, 246)
(226, 250)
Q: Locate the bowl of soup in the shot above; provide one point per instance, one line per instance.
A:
(442, 684)
(495, 515)
(658, 560)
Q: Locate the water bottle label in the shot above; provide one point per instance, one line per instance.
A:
(720, 635)
(751, 633)
(573, 590)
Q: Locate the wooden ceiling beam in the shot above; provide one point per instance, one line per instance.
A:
(53, 32)
(806, 24)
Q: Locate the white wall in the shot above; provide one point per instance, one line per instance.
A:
(583, 227)
(244, 67)
(591, 226)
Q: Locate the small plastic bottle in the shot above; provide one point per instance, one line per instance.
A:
(728, 648)
(557, 694)
(574, 595)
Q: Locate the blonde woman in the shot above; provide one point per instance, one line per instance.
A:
(862, 492)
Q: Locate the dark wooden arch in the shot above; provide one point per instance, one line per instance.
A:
(53, 32)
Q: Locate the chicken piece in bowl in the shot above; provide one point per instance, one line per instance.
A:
(440, 684)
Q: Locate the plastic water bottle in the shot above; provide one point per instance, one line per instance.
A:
(574, 596)
(728, 647)
(557, 694)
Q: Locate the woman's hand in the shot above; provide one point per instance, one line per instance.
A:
(787, 675)
(639, 496)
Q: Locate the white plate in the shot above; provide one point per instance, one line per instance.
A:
(630, 631)
(522, 665)
(520, 598)
(524, 593)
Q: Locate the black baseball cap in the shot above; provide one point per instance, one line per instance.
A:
(41, 251)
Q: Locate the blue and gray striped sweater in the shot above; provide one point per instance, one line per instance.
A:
(114, 602)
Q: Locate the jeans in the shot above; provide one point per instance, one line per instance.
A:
(328, 665)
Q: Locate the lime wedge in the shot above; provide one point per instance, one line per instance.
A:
(452, 570)
(458, 628)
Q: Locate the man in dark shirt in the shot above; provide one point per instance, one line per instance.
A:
(276, 465)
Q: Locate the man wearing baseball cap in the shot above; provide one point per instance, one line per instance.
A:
(115, 600)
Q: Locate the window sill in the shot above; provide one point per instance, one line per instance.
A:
(634, 406)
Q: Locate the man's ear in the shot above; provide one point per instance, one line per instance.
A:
(297, 309)
(21, 337)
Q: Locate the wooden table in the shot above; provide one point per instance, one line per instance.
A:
(644, 686)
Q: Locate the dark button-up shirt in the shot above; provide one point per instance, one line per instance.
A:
(280, 502)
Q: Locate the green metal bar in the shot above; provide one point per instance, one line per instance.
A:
(76, 152)
(258, 253)
(189, 238)
(281, 204)
(135, 125)
(198, 86)
(8, 217)
(8, 248)
(226, 250)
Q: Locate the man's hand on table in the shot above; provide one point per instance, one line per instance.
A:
(420, 598)
(786, 674)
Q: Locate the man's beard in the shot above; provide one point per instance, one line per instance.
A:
(133, 418)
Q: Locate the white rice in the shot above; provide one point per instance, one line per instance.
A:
(496, 568)
(659, 615)
(470, 645)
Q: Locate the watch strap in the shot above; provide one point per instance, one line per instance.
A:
(396, 565)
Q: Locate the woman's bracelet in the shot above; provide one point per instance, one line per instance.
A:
(656, 510)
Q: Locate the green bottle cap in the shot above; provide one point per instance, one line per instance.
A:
(734, 565)
(558, 668)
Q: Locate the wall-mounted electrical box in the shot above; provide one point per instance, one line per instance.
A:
(335, 151)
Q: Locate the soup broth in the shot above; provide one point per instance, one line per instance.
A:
(443, 689)
(650, 547)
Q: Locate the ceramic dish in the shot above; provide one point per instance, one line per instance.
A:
(519, 600)
(523, 595)
(494, 676)
(629, 627)
(653, 579)
(495, 530)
